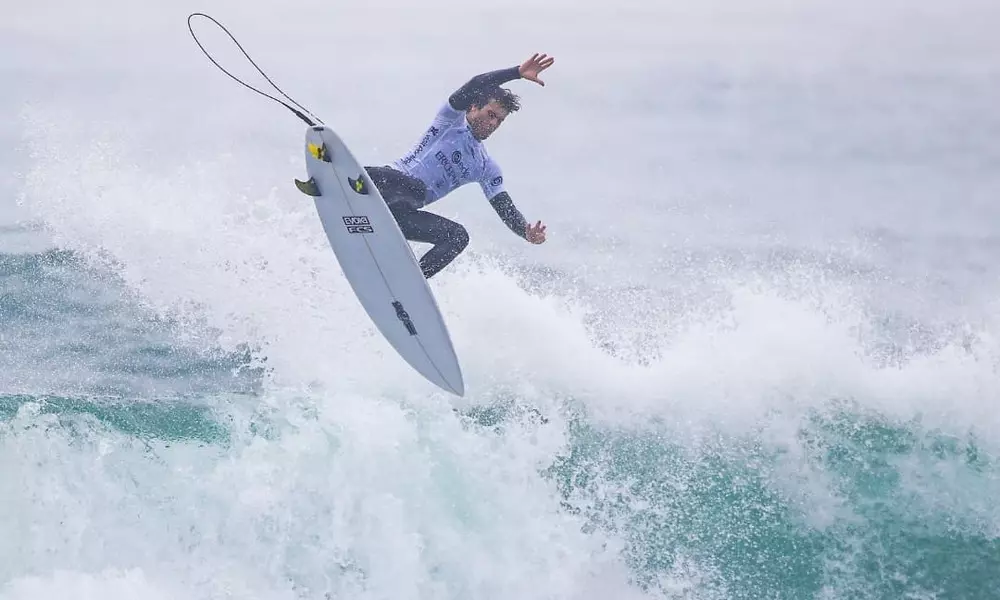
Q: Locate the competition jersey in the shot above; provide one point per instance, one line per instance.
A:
(449, 156)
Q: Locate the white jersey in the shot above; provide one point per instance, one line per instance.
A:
(449, 156)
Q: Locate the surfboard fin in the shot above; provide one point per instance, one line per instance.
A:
(308, 187)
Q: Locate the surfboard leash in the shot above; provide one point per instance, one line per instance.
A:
(299, 113)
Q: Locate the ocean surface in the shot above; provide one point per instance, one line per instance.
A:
(757, 357)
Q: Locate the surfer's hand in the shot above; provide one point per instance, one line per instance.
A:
(535, 65)
(535, 234)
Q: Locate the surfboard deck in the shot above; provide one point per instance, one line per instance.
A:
(377, 260)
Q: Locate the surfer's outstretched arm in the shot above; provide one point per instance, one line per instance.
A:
(504, 206)
(464, 97)
(474, 89)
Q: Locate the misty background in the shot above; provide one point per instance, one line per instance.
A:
(762, 328)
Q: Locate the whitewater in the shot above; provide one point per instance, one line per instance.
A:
(756, 357)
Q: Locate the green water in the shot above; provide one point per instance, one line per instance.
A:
(866, 508)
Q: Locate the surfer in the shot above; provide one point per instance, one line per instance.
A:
(451, 154)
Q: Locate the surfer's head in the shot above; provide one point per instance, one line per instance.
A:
(489, 110)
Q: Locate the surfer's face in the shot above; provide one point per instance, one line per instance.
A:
(484, 120)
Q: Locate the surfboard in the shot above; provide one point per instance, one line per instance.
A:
(377, 260)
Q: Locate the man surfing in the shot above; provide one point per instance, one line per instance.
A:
(451, 154)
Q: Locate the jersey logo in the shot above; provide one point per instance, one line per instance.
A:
(450, 170)
(358, 185)
(497, 181)
(412, 156)
(358, 224)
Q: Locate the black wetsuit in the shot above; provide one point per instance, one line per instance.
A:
(447, 157)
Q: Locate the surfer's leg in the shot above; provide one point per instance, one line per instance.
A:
(449, 238)
(397, 187)
(403, 194)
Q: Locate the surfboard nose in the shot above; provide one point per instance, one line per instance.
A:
(455, 384)
(446, 374)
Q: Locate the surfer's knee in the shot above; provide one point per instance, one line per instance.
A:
(459, 237)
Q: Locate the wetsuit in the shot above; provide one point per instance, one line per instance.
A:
(447, 157)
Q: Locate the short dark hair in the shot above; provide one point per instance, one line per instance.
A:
(504, 97)
(507, 99)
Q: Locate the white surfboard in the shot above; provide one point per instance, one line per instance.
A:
(377, 260)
